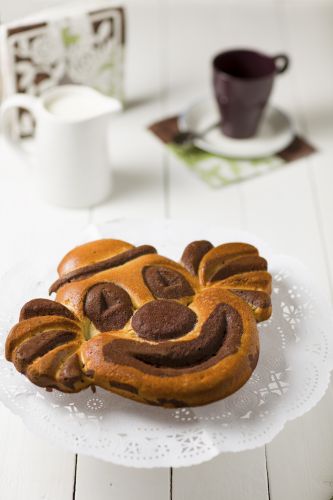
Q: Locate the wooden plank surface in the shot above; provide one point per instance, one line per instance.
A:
(170, 46)
(300, 459)
(101, 480)
(230, 476)
(29, 467)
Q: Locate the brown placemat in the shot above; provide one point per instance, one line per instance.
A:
(218, 171)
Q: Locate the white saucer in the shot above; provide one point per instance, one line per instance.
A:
(274, 134)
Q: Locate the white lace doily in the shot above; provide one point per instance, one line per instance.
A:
(291, 377)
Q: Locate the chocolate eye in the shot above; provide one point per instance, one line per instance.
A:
(108, 306)
(165, 283)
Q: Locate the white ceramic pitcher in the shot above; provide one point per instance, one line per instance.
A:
(70, 156)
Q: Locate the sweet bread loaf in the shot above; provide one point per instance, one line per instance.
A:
(145, 327)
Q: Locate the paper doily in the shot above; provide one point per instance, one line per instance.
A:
(291, 377)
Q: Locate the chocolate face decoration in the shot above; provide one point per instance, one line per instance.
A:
(138, 324)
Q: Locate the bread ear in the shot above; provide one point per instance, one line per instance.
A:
(229, 259)
(239, 268)
(193, 254)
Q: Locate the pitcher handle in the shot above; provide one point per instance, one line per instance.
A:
(281, 62)
(16, 101)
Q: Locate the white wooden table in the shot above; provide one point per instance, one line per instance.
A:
(170, 46)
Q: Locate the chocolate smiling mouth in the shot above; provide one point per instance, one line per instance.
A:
(220, 336)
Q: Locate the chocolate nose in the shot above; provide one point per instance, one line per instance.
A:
(163, 320)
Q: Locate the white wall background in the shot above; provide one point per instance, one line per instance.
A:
(13, 9)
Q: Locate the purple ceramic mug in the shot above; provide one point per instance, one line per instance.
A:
(243, 80)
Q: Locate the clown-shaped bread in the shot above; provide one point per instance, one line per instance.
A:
(145, 327)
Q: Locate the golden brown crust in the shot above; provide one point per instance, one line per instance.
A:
(91, 252)
(206, 350)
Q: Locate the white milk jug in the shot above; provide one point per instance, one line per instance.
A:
(70, 156)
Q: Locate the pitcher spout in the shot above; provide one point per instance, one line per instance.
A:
(106, 105)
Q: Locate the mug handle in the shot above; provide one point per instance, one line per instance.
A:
(281, 62)
(16, 101)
